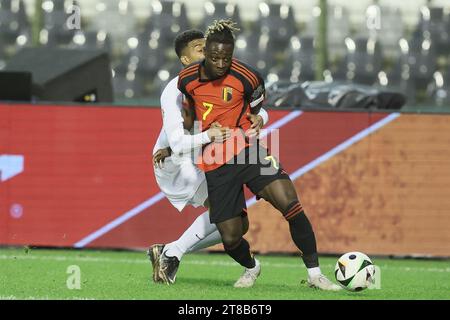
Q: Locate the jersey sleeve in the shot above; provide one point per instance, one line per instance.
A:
(254, 87)
(161, 142)
(256, 96)
(264, 115)
(179, 140)
(184, 78)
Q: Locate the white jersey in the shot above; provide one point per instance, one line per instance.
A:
(180, 179)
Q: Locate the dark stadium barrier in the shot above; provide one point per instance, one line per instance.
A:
(15, 85)
(333, 95)
(65, 75)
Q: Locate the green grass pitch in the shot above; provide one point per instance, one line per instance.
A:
(44, 274)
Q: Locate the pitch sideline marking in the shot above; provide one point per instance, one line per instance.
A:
(41, 298)
(199, 262)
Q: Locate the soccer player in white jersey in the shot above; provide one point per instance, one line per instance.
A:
(176, 174)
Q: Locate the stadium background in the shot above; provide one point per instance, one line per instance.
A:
(370, 180)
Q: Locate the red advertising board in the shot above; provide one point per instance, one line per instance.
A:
(82, 176)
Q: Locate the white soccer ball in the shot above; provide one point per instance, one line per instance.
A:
(354, 271)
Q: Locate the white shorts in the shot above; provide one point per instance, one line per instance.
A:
(182, 182)
(200, 196)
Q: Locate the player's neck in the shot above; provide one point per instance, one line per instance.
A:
(205, 75)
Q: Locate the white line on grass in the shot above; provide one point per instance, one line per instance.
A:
(41, 298)
(200, 262)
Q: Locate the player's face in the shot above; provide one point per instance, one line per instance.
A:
(218, 58)
(194, 51)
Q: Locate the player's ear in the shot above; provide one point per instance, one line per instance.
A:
(185, 60)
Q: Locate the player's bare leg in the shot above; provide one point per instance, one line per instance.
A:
(283, 196)
(237, 247)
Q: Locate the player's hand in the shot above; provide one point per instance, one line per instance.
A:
(159, 156)
(219, 134)
(216, 124)
(257, 124)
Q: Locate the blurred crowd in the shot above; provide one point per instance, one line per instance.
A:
(385, 52)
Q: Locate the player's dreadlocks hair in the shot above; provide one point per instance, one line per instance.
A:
(182, 40)
(221, 31)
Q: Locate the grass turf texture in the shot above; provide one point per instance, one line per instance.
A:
(42, 274)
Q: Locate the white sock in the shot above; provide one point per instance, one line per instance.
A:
(313, 272)
(173, 250)
(211, 240)
(196, 232)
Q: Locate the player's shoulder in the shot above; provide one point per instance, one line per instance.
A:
(171, 84)
(171, 88)
(246, 72)
(189, 73)
(243, 65)
(171, 96)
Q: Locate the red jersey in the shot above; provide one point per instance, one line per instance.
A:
(226, 100)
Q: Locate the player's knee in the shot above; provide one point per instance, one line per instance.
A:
(292, 210)
(231, 239)
(245, 225)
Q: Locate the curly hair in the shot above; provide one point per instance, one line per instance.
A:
(221, 31)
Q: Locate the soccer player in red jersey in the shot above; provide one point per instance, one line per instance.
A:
(181, 182)
(223, 89)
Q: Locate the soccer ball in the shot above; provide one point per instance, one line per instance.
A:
(354, 271)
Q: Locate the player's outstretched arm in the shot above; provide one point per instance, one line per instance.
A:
(258, 122)
(159, 157)
(181, 141)
(163, 151)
